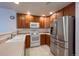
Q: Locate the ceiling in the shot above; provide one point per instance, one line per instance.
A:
(35, 8)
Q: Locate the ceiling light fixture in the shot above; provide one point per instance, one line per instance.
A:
(43, 15)
(51, 13)
(16, 2)
(28, 13)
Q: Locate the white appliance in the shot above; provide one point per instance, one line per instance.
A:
(34, 25)
(34, 34)
(63, 36)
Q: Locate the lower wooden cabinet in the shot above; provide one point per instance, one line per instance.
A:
(27, 41)
(45, 39)
(42, 39)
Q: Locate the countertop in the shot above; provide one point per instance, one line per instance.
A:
(45, 33)
(40, 33)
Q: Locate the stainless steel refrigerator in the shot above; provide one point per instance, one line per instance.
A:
(62, 41)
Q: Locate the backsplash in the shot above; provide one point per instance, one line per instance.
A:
(28, 30)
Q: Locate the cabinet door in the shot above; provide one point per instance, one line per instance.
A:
(21, 21)
(41, 22)
(53, 18)
(47, 40)
(42, 39)
(60, 13)
(47, 22)
(69, 10)
(72, 9)
(29, 18)
(27, 41)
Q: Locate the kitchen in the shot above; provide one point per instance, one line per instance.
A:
(34, 31)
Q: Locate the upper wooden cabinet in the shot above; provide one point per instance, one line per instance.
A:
(41, 21)
(21, 21)
(44, 22)
(60, 13)
(69, 10)
(47, 22)
(53, 18)
(29, 19)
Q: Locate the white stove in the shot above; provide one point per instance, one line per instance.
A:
(34, 33)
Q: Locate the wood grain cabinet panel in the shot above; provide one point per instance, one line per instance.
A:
(60, 13)
(53, 19)
(20, 21)
(47, 40)
(27, 41)
(42, 39)
(69, 10)
(47, 22)
(41, 21)
(23, 20)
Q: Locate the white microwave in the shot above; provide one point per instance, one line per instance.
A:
(34, 25)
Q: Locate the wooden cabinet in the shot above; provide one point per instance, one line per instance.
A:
(69, 10)
(54, 16)
(29, 19)
(60, 13)
(47, 38)
(42, 39)
(44, 22)
(21, 21)
(27, 41)
(47, 22)
(53, 19)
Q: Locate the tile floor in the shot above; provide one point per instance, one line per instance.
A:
(43, 50)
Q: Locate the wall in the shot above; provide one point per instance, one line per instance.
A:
(6, 24)
(77, 28)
